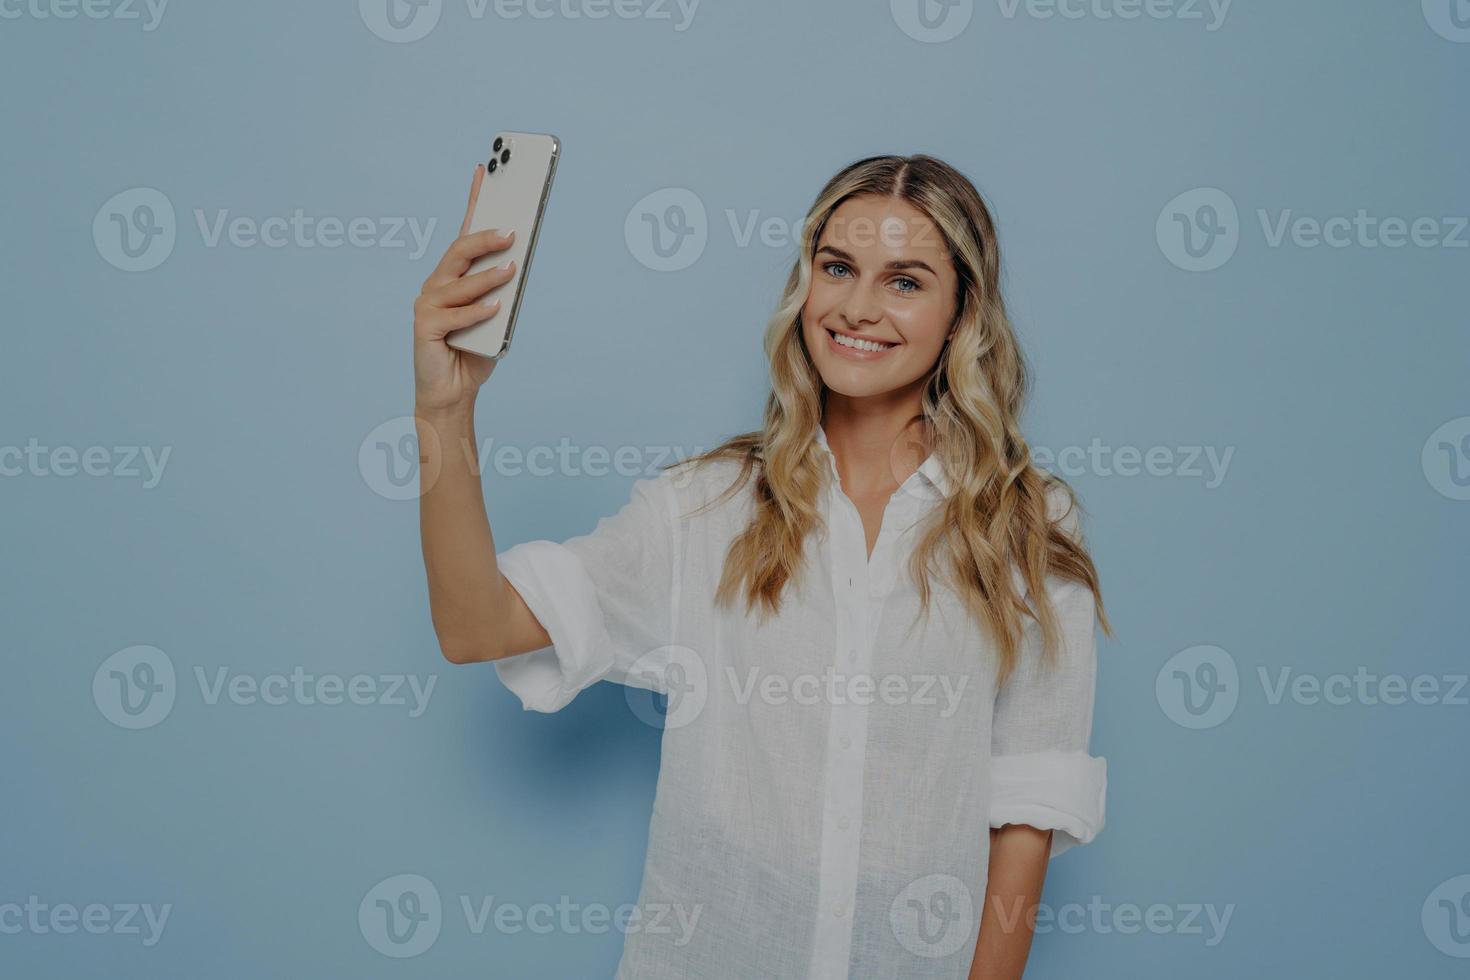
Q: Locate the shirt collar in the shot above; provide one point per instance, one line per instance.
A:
(930, 469)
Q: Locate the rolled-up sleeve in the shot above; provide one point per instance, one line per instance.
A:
(605, 599)
(1042, 772)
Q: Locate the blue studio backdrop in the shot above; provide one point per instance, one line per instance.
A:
(1235, 241)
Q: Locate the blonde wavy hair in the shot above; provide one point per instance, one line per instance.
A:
(995, 516)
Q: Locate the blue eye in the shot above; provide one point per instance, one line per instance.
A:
(909, 284)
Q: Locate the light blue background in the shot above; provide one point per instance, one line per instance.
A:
(1327, 547)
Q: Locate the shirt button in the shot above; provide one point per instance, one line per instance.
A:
(845, 742)
(843, 822)
(839, 910)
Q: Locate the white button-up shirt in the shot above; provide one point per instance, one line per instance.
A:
(828, 776)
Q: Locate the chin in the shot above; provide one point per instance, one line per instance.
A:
(844, 384)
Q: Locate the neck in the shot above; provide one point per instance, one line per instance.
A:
(876, 440)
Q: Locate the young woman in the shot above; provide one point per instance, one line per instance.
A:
(873, 617)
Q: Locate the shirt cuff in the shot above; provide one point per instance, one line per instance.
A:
(556, 587)
(1064, 792)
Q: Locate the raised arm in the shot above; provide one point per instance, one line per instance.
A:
(477, 614)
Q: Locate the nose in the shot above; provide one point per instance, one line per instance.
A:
(860, 305)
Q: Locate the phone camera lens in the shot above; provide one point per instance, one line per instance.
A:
(505, 156)
(498, 144)
(490, 167)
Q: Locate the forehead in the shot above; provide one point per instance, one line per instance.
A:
(884, 228)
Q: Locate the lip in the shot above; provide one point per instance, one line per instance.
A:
(853, 353)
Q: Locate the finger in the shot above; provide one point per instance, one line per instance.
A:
(445, 322)
(463, 251)
(458, 292)
(469, 211)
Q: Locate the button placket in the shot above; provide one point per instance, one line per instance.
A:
(846, 745)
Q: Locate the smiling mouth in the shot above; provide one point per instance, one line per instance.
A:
(848, 344)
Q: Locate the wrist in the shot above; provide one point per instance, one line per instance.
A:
(446, 433)
(451, 414)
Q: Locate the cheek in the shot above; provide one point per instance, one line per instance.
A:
(923, 325)
(812, 312)
(816, 299)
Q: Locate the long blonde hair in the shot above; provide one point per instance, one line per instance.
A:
(995, 515)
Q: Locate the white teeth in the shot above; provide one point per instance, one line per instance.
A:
(847, 341)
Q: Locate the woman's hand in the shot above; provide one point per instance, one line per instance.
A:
(446, 379)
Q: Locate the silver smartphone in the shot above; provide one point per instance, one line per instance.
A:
(513, 196)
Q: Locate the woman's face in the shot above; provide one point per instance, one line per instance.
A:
(882, 273)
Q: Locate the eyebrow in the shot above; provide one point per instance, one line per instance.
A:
(895, 264)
